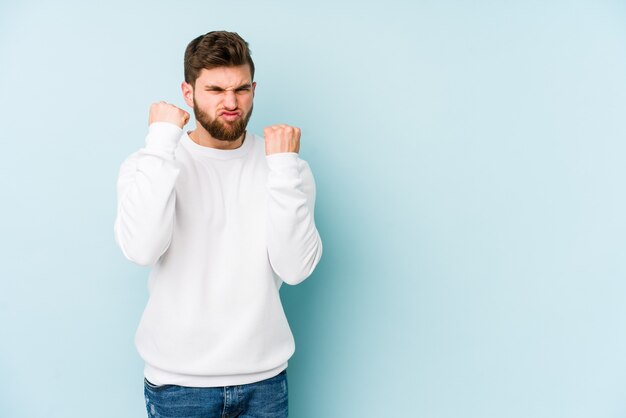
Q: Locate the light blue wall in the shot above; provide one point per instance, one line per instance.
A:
(470, 163)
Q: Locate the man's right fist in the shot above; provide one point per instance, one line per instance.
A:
(165, 112)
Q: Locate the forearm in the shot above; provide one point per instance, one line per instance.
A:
(146, 196)
(294, 244)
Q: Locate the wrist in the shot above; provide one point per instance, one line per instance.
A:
(163, 137)
(282, 160)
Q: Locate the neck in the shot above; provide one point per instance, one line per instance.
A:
(201, 137)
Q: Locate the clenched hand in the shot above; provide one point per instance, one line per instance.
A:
(281, 138)
(165, 112)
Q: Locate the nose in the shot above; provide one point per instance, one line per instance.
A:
(230, 100)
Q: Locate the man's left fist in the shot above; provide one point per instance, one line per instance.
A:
(281, 138)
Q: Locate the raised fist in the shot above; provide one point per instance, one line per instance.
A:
(281, 138)
(165, 112)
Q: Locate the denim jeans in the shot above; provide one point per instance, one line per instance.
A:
(265, 399)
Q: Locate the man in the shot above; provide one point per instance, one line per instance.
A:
(224, 217)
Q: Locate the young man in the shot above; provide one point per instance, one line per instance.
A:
(224, 217)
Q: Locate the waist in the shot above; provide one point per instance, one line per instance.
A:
(163, 377)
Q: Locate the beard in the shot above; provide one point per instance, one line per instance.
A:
(222, 130)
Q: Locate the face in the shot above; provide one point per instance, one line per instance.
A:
(221, 99)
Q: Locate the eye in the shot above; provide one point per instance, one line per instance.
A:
(243, 90)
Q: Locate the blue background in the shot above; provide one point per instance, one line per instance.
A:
(469, 158)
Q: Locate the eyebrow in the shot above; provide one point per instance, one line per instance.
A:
(218, 88)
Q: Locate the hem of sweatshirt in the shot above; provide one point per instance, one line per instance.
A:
(162, 377)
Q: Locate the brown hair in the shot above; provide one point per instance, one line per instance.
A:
(216, 49)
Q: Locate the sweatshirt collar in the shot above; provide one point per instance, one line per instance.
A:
(220, 154)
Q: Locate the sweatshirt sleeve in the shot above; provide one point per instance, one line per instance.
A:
(293, 242)
(146, 196)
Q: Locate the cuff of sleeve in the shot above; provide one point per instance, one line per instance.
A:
(283, 161)
(163, 137)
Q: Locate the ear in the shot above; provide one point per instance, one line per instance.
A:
(187, 93)
(253, 87)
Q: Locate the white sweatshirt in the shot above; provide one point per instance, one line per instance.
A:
(223, 229)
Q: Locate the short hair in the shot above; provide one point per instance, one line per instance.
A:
(216, 49)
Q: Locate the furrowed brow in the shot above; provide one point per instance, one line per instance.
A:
(213, 88)
(245, 86)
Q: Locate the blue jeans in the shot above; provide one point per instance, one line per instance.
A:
(265, 399)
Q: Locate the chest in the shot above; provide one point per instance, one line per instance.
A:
(222, 196)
